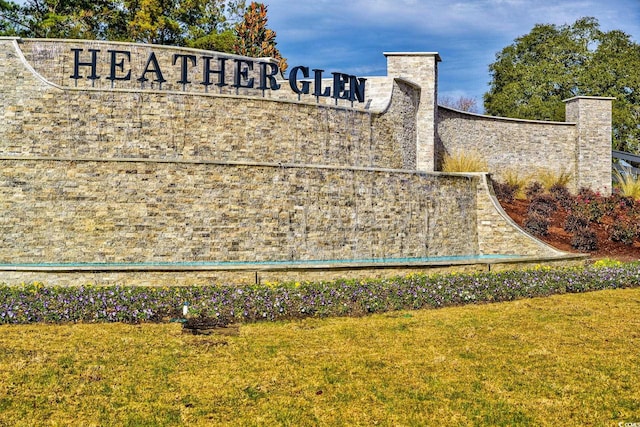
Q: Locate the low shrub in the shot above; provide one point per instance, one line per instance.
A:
(622, 202)
(543, 205)
(537, 224)
(539, 214)
(584, 240)
(586, 194)
(575, 222)
(533, 189)
(592, 205)
(504, 191)
(562, 196)
(624, 231)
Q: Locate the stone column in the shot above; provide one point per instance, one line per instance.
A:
(592, 116)
(420, 68)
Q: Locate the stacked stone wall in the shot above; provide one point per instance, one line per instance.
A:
(498, 233)
(112, 211)
(593, 118)
(171, 176)
(521, 146)
(422, 70)
(43, 120)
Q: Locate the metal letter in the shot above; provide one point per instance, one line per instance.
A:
(339, 80)
(156, 69)
(184, 71)
(243, 74)
(119, 66)
(293, 80)
(317, 84)
(264, 76)
(356, 88)
(77, 64)
(207, 71)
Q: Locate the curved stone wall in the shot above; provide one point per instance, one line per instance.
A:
(45, 120)
(149, 175)
(96, 174)
(519, 145)
(581, 148)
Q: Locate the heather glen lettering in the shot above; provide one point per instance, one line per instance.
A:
(215, 70)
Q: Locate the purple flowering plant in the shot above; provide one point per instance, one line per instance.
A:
(34, 302)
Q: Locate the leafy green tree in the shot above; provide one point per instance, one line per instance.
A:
(195, 23)
(206, 24)
(532, 76)
(94, 19)
(253, 38)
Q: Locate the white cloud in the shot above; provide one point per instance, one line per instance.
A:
(351, 36)
(441, 17)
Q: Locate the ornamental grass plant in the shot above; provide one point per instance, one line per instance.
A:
(627, 183)
(550, 178)
(514, 178)
(464, 162)
(543, 179)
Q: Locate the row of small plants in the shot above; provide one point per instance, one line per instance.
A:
(29, 303)
(583, 211)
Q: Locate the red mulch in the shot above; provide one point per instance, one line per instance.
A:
(561, 239)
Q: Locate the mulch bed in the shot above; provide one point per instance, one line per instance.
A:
(561, 239)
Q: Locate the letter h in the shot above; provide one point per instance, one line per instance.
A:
(93, 64)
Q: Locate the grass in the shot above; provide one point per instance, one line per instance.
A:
(464, 162)
(514, 178)
(628, 183)
(548, 178)
(569, 359)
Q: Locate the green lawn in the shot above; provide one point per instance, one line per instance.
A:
(567, 360)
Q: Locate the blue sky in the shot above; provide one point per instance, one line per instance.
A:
(351, 36)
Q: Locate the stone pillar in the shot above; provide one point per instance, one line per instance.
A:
(420, 68)
(592, 116)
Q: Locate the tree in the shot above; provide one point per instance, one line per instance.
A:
(206, 24)
(194, 23)
(60, 18)
(9, 18)
(532, 76)
(253, 38)
(463, 103)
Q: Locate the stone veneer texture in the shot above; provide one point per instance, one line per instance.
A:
(42, 120)
(108, 175)
(109, 211)
(510, 145)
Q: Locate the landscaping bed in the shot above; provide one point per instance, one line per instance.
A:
(604, 227)
(35, 302)
(559, 238)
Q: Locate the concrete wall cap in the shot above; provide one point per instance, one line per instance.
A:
(509, 119)
(436, 54)
(602, 98)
